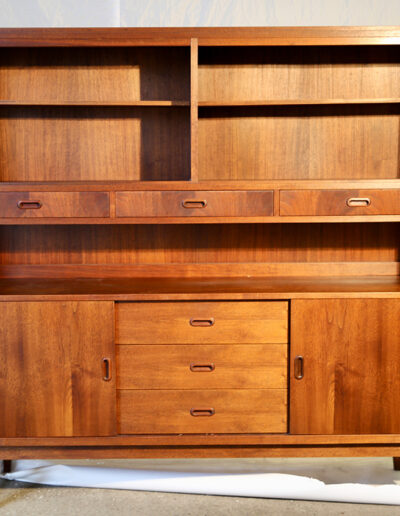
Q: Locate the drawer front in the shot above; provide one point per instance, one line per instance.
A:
(213, 322)
(194, 204)
(339, 202)
(54, 204)
(202, 411)
(251, 366)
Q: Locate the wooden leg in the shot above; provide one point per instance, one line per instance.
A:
(396, 463)
(6, 466)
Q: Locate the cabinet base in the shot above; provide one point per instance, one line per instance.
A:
(168, 452)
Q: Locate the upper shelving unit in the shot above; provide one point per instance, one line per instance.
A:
(200, 105)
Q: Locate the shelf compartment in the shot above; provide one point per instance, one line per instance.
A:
(208, 250)
(299, 142)
(309, 73)
(38, 75)
(94, 143)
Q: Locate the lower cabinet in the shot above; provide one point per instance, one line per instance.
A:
(199, 367)
(56, 375)
(345, 366)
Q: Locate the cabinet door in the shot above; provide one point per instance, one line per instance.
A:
(52, 370)
(351, 366)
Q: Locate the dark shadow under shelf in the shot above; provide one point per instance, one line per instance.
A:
(125, 289)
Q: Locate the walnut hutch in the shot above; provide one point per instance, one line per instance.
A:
(199, 242)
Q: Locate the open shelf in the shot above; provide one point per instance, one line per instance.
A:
(231, 74)
(316, 142)
(78, 143)
(264, 261)
(46, 75)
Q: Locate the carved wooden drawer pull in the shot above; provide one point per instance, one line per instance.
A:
(299, 367)
(354, 202)
(29, 205)
(202, 367)
(202, 322)
(202, 412)
(194, 203)
(106, 363)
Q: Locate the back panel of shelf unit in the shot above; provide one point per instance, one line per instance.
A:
(94, 74)
(299, 142)
(63, 143)
(215, 244)
(284, 73)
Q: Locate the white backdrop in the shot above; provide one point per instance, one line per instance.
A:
(158, 13)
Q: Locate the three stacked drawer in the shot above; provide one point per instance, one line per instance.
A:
(202, 367)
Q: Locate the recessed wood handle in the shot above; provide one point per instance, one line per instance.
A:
(201, 367)
(355, 202)
(106, 363)
(299, 367)
(202, 412)
(204, 323)
(29, 205)
(194, 203)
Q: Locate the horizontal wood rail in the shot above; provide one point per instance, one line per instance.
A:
(203, 270)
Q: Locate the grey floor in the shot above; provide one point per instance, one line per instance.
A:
(21, 498)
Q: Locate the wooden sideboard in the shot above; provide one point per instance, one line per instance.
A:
(199, 242)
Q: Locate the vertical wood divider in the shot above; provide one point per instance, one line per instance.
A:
(277, 194)
(112, 205)
(194, 105)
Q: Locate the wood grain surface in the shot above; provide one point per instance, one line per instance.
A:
(64, 143)
(54, 204)
(195, 204)
(351, 358)
(172, 323)
(168, 411)
(339, 202)
(241, 366)
(51, 381)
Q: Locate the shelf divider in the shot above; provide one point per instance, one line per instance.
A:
(194, 112)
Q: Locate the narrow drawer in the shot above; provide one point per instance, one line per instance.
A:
(202, 411)
(194, 204)
(210, 322)
(251, 366)
(54, 204)
(339, 202)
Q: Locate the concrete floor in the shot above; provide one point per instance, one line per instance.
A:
(21, 498)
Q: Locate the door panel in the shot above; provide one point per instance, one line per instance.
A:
(351, 366)
(51, 369)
